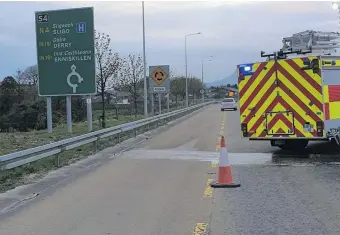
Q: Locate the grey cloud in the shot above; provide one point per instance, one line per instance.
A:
(233, 32)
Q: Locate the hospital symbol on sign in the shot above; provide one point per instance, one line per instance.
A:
(81, 27)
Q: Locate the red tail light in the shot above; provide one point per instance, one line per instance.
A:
(319, 128)
(244, 129)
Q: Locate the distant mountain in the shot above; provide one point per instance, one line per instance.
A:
(231, 79)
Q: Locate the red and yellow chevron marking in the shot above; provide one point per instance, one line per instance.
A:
(285, 118)
(332, 101)
(277, 87)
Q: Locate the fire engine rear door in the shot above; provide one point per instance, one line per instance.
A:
(280, 123)
(298, 92)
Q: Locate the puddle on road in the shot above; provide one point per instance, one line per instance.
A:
(282, 159)
(314, 154)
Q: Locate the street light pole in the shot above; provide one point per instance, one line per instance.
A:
(144, 60)
(202, 83)
(186, 74)
(186, 69)
(202, 78)
(336, 6)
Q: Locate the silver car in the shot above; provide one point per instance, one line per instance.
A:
(228, 103)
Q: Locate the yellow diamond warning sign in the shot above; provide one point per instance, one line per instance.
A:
(159, 76)
(159, 79)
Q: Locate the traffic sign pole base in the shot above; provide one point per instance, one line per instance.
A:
(215, 184)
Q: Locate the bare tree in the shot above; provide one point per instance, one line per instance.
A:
(30, 76)
(18, 75)
(172, 73)
(177, 87)
(194, 86)
(108, 64)
(131, 77)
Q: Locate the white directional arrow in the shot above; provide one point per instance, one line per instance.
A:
(74, 73)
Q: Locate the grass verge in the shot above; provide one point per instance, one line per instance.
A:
(13, 142)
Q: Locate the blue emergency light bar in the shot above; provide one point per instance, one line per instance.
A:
(245, 69)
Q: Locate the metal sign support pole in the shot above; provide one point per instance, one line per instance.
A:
(49, 114)
(152, 104)
(160, 103)
(168, 103)
(69, 114)
(89, 113)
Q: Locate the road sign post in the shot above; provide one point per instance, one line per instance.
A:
(168, 102)
(49, 114)
(152, 104)
(65, 50)
(160, 103)
(159, 79)
(202, 93)
(159, 82)
(69, 113)
(89, 113)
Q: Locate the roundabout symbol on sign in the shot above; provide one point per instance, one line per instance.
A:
(74, 73)
(159, 76)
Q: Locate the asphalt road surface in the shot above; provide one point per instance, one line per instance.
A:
(162, 187)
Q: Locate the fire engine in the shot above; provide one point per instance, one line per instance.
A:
(293, 96)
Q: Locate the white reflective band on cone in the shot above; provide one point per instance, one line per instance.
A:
(224, 161)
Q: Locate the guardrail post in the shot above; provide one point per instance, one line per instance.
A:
(136, 131)
(95, 145)
(119, 137)
(57, 160)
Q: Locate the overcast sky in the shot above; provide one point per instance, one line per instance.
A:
(233, 32)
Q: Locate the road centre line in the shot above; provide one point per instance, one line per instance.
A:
(208, 189)
(221, 132)
(200, 229)
(214, 164)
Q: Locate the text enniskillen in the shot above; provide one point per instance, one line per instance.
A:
(58, 59)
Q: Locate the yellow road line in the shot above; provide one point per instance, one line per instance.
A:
(218, 146)
(208, 189)
(200, 229)
(214, 164)
(223, 118)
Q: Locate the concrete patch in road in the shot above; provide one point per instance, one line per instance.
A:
(188, 145)
(235, 158)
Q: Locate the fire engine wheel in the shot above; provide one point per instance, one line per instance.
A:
(294, 145)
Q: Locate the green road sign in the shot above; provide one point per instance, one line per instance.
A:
(65, 49)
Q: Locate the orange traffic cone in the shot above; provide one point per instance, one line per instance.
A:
(225, 178)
